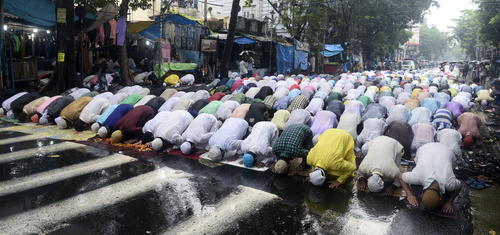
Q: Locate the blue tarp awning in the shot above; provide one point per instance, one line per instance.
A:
(153, 31)
(241, 41)
(333, 49)
(39, 12)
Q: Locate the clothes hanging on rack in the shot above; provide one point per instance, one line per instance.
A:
(100, 35)
(112, 23)
(121, 30)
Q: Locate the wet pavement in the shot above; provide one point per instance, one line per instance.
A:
(93, 191)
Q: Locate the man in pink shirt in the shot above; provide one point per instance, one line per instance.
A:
(470, 125)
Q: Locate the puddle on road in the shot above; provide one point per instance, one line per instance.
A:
(41, 196)
(46, 162)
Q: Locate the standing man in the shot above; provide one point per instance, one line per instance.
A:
(243, 68)
(101, 75)
(250, 66)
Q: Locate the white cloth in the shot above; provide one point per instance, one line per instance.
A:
(435, 162)
(152, 124)
(252, 92)
(105, 95)
(402, 97)
(143, 92)
(281, 92)
(144, 100)
(354, 106)
(8, 102)
(261, 140)
(183, 104)
(349, 122)
(200, 130)
(79, 93)
(243, 68)
(464, 101)
(117, 98)
(452, 139)
(172, 128)
(188, 95)
(187, 79)
(420, 115)
(383, 158)
(399, 113)
(201, 94)
(178, 94)
(226, 109)
(353, 94)
(169, 104)
(298, 116)
(229, 136)
(372, 128)
(372, 94)
(315, 106)
(388, 102)
(129, 90)
(94, 109)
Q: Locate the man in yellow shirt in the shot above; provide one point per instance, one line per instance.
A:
(333, 156)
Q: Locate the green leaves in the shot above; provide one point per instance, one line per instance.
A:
(433, 43)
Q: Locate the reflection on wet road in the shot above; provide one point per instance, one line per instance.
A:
(57, 187)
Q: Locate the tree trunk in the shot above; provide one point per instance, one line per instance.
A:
(122, 51)
(64, 76)
(226, 56)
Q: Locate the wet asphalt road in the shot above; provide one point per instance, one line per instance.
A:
(51, 186)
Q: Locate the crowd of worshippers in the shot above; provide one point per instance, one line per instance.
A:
(336, 125)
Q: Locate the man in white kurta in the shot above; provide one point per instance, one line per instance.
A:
(259, 145)
(434, 171)
(6, 105)
(372, 128)
(227, 138)
(226, 109)
(170, 131)
(91, 113)
(381, 164)
(451, 138)
(198, 133)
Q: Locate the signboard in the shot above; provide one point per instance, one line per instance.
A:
(208, 45)
(415, 38)
(61, 15)
(60, 57)
(80, 11)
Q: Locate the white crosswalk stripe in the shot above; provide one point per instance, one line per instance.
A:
(20, 139)
(28, 153)
(45, 178)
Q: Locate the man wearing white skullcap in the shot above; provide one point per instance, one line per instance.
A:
(227, 138)
(198, 133)
(382, 163)
(170, 131)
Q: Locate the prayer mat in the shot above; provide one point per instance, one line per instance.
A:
(398, 192)
(417, 192)
(235, 163)
(140, 150)
(52, 132)
(4, 118)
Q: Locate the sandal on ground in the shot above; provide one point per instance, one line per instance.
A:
(476, 184)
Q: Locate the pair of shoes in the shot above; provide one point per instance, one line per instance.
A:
(476, 184)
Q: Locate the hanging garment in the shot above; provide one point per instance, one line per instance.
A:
(112, 34)
(100, 35)
(121, 30)
(178, 36)
(165, 51)
(169, 31)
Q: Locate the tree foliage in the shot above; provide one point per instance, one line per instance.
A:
(306, 22)
(93, 5)
(378, 25)
(433, 43)
(466, 30)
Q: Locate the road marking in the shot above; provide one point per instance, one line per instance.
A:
(25, 183)
(23, 154)
(232, 208)
(21, 139)
(37, 220)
